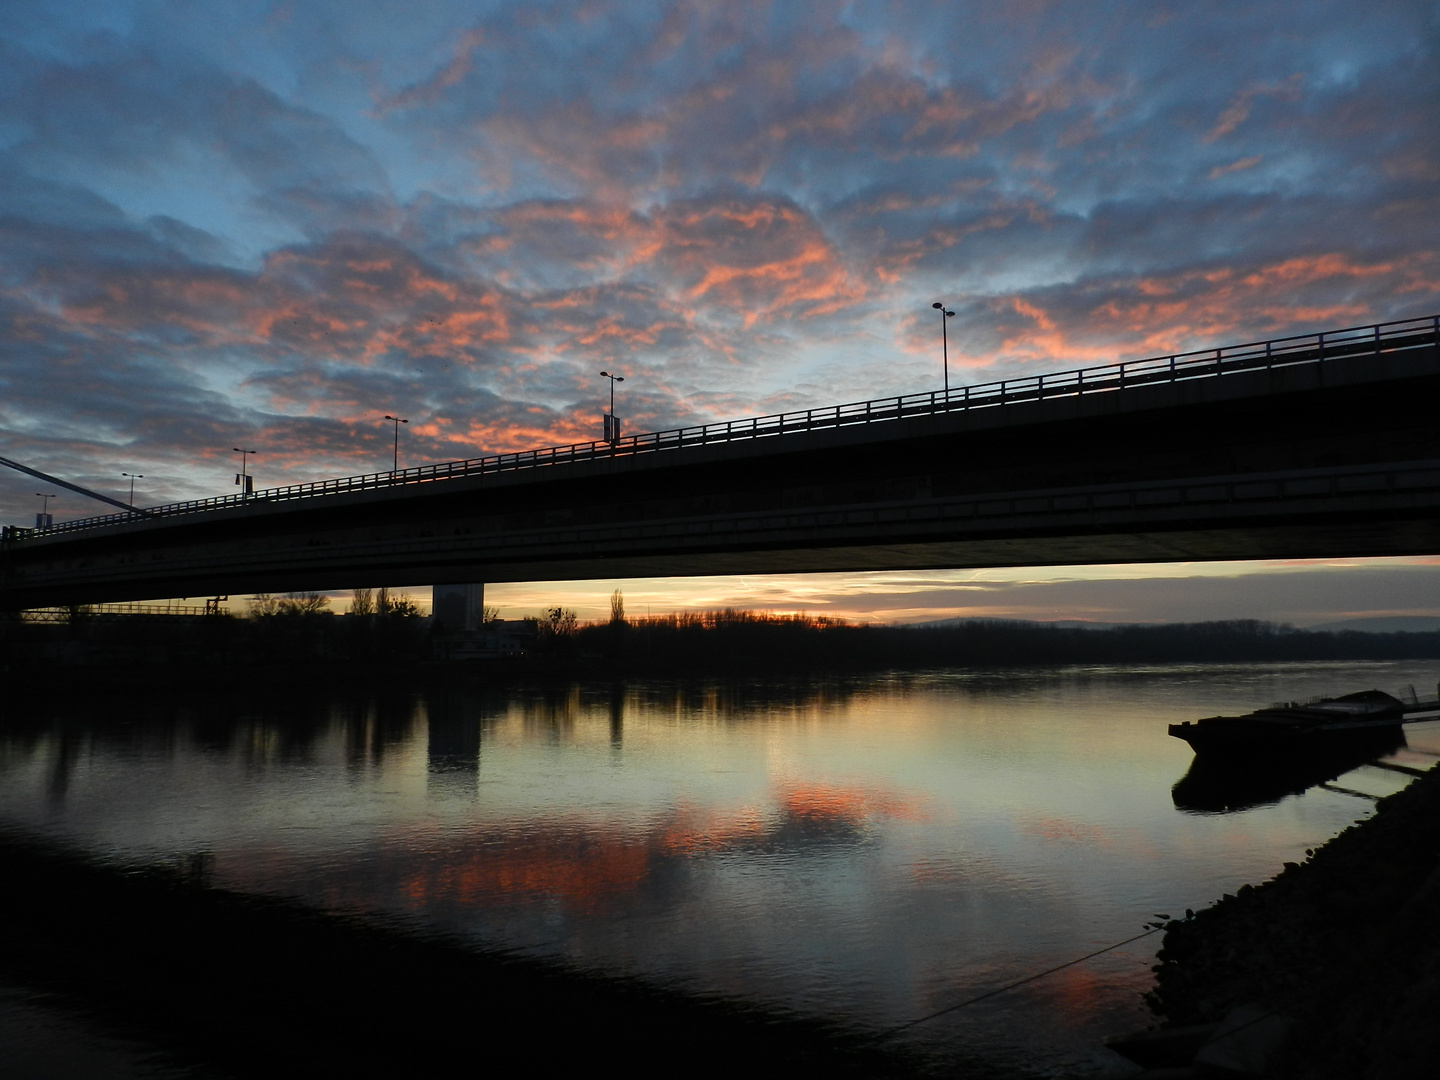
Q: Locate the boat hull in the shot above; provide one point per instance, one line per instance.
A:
(1241, 735)
(1352, 720)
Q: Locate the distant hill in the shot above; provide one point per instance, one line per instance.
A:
(751, 640)
(1386, 624)
(1058, 624)
(1377, 624)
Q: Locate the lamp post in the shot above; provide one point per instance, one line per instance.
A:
(395, 450)
(42, 519)
(133, 477)
(612, 425)
(245, 482)
(945, 314)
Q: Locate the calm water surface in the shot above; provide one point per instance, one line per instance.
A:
(871, 850)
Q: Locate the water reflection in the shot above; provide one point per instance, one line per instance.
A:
(452, 738)
(617, 715)
(871, 849)
(1227, 784)
(259, 987)
(62, 766)
(571, 865)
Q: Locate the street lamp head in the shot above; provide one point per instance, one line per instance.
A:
(937, 307)
(948, 314)
(397, 419)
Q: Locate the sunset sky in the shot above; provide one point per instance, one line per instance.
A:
(268, 225)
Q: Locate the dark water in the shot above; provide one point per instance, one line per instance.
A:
(871, 851)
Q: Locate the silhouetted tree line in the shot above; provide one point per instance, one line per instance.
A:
(294, 631)
(298, 632)
(750, 640)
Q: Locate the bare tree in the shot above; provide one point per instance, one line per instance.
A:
(558, 622)
(362, 602)
(262, 605)
(303, 603)
(404, 608)
(397, 606)
(617, 607)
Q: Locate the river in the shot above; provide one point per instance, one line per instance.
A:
(873, 850)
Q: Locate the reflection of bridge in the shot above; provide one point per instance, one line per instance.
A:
(1311, 446)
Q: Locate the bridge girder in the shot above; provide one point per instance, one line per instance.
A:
(1301, 462)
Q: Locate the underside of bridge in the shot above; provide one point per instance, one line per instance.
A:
(1339, 459)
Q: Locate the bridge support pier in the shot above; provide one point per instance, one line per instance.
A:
(458, 607)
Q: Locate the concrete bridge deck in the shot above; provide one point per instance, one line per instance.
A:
(1310, 447)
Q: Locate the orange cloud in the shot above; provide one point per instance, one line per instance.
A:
(432, 89)
(1162, 314)
(359, 301)
(758, 257)
(1238, 111)
(1235, 166)
(900, 258)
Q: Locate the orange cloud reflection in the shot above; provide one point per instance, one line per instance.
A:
(585, 864)
(581, 867)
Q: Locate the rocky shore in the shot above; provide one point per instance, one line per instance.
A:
(1345, 945)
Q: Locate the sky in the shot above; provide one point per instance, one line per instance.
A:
(268, 225)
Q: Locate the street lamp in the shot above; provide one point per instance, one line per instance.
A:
(395, 451)
(612, 422)
(945, 314)
(43, 519)
(133, 477)
(243, 480)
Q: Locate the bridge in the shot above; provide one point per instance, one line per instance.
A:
(1317, 445)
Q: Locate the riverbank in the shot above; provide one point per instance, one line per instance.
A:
(1345, 945)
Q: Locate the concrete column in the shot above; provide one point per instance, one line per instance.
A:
(458, 607)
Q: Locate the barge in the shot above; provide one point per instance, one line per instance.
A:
(1360, 718)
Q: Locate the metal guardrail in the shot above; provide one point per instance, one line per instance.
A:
(1301, 349)
(90, 611)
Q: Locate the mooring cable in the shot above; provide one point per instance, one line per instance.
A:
(1019, 982)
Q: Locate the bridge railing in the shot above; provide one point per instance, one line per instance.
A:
(1300, 349)
(91, 611)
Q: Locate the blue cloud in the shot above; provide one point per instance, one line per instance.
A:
(240, 221)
